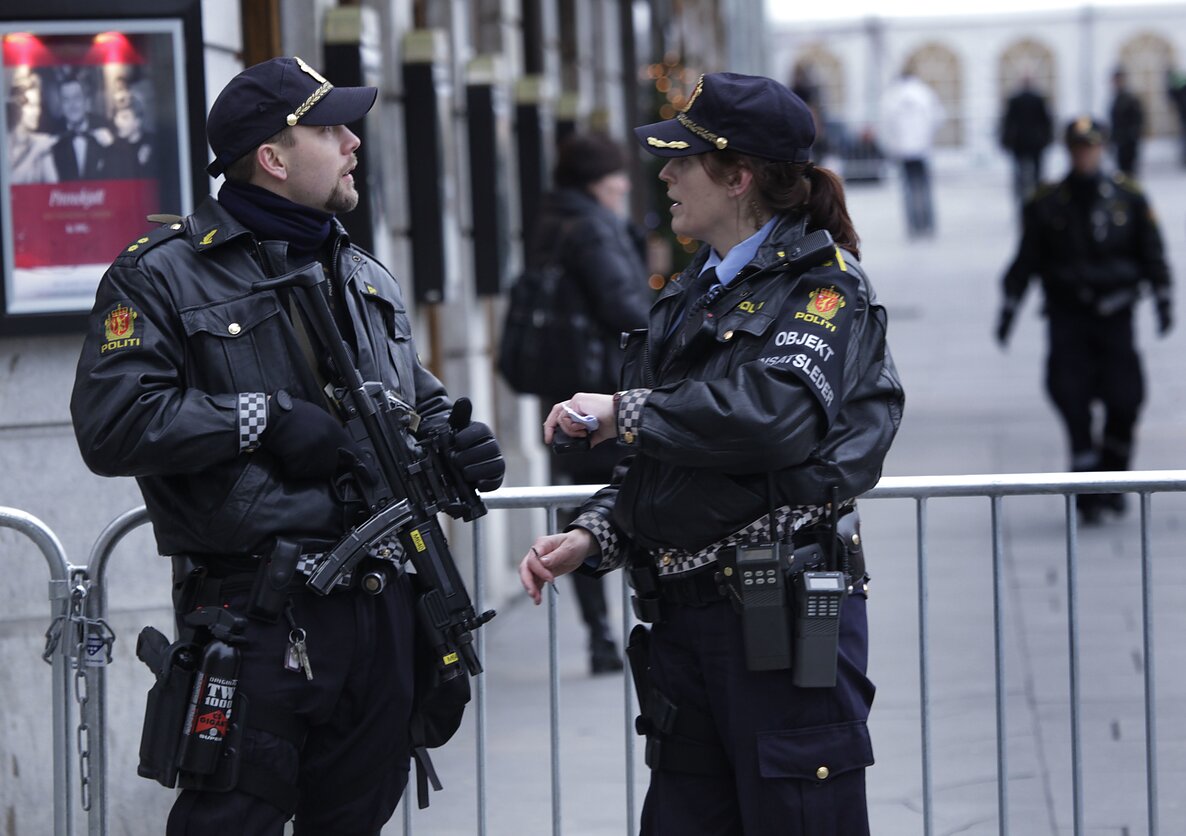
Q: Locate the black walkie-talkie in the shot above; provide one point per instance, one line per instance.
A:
(817, 600)
(761, 584)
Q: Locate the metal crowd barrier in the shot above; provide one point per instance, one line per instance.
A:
(78, 602)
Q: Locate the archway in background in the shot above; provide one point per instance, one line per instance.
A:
(940, 67)
(1147, 58)
(1027, 58)
(819, 73)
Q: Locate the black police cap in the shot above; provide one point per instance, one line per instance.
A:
(1086, 131)
(746, 113)
(267, 97)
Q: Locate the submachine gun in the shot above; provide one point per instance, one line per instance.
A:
(417, 480)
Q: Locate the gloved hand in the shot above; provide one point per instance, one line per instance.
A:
(1165, 316)
(309, 443)
(476, 452)
(1004, 325)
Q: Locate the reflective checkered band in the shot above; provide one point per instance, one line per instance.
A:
(790, 518)
(253, 419)
(630, 406)
(386, 549)
(603, 531)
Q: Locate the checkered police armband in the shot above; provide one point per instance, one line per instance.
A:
(253, 419)
(628, 411)
(604, 533)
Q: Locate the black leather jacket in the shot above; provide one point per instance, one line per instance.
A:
(790, 376)
(177, 334)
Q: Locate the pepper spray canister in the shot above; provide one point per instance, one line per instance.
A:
(209, 718)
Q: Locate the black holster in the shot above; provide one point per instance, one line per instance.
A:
(679, 738)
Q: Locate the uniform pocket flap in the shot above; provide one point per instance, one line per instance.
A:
(231, 319)
(815, 754)
(739, 321)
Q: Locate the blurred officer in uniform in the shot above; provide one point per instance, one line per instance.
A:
(759, 402)
(1094, 242)
(199, 386)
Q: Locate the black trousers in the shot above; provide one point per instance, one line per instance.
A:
(1093, 359)
(353, 765)
(796, 756)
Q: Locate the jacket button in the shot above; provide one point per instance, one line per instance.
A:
(856, 539)
(233, 329)
(728, 335)
(822, 773)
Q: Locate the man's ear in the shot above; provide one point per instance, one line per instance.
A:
(271, 161)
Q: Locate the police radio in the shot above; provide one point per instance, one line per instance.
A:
(757, 577)
(817, 600)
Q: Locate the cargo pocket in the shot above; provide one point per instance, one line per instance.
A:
(827, 763)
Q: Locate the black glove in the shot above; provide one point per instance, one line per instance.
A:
(309, 443)
(1004, 324)
(476, 453)
(1165, 316)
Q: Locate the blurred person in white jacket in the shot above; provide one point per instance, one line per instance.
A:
(911, 115)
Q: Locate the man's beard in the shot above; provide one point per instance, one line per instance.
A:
(344, 198)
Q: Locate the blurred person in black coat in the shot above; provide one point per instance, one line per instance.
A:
(583, 225)
(1128, 123)
(1025, 132)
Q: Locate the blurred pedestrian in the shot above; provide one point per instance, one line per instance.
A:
(911, 115)
(1128, 123)
(584, 230)
(1094, 242)
(1026, 130)
(758, 404)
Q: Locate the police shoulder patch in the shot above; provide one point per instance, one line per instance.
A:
(120, 330)
(810, 335)
(135, 249)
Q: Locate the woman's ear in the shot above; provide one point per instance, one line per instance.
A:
(739, 181)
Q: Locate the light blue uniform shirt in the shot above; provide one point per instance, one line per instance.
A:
(741, 255)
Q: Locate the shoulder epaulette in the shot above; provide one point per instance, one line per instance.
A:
(1125, 182)
(1041, 191)
(150, 239)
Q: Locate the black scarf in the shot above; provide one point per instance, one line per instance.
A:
(275, 218)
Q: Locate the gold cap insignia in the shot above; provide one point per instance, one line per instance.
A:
(659, 143)
(317, 95)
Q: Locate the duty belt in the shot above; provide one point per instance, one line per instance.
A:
(224, 566)
(788, 518)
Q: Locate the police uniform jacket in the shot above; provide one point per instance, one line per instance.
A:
(177, 335)
(789, 374)
(1093, 241)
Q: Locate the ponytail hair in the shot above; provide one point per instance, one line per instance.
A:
(796, 189)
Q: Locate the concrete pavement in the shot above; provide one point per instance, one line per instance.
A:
(971, 408)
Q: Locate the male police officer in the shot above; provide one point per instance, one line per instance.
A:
(199, 386)
(1094, 242)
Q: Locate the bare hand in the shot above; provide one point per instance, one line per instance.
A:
(552, 556)
(600, 407)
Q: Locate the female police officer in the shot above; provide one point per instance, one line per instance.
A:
(761, 396)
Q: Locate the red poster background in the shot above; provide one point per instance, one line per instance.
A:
(79, 222)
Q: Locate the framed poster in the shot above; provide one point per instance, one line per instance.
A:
(103, 127)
